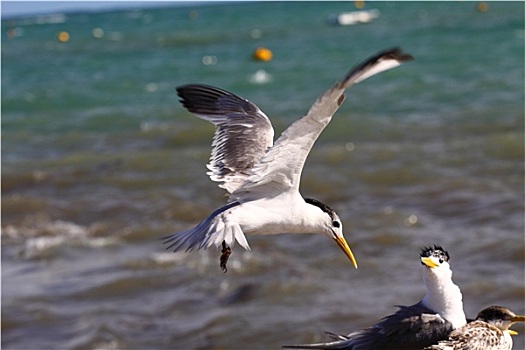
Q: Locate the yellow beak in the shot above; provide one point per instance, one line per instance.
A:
(341, 242)
(517, 318)
(511, 332)
(429, 262)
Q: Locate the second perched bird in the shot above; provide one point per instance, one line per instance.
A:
(261, 177)
(490, 331)
(412, 327)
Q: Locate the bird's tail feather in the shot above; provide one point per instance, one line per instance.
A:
(339, 342)
(211, 231)
(334, 345)
(177, 241)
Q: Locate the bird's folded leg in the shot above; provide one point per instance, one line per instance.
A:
(226, 251)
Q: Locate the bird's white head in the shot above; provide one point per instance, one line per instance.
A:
(436, 265)
(333, 227)
(442, 295)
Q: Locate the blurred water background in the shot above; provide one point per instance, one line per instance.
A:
(99, 161)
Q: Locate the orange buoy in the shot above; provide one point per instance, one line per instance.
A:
(262, 54)
(482, 6)
(63, 37)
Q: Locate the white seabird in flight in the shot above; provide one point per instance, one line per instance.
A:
(416, 326)
(262, 177)
(490, 331)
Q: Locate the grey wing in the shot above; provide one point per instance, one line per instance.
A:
(476, 335)
(243, 132)
(411, 327)
(281, 167)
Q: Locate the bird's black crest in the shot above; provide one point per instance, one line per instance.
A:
(436, 251)
(321, 206)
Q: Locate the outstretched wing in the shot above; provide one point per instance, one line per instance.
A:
(243, 132)
(279, 170)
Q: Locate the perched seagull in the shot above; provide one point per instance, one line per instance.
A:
(262, 177)
(412, 327)
(490, 331)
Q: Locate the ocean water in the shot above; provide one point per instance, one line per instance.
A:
(99, 161)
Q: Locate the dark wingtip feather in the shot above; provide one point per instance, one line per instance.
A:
(210, 100)
(200, 98)
(397, 54)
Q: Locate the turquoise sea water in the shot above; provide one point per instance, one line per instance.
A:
(99, 161)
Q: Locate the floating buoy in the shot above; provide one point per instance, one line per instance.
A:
(256, 33)
(209, 60)
(260, 77)
(193, 15)
(262, 54)
(63, 37)
(97, 33)
(482, 6)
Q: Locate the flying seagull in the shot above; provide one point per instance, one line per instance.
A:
(262, 177)
(490, 331)
(411, 327)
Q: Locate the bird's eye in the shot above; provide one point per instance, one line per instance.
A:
(441, 261)
(336, 224)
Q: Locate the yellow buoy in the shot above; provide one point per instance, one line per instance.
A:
(262, 54)
(63, 37)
